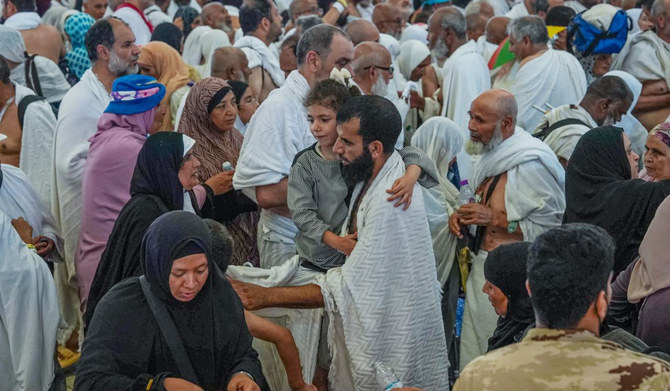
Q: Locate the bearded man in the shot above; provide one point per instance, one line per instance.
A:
(520, 194)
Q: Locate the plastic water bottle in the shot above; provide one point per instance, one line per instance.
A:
(226, 166)
(466, 195)
(386, 377)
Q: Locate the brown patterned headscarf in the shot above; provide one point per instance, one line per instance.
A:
(213, 146)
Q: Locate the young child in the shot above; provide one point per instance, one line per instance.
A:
(318, 196)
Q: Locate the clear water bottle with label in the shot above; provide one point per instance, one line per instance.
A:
(386, 378)
(466, 195)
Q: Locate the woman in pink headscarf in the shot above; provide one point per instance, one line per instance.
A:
(657, 154)
(130, 117)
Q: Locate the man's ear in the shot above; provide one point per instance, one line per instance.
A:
(376, 149)
(313, 61)
(104, 52)
(265, 24)
(601, 305)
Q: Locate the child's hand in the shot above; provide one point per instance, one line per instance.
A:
(403, 187)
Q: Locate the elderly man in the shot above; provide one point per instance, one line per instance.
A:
(374, 312)
(607, 99)
(564, 347)
(29, 124)
(299, 8)
(261, 25)
(530, 7)
(95, 8)
(361, 30)
(477, 14)
(545, 77)
(132, 12)
(647, 57)
(282, 123)
(110, 44)
(494, 33)
(465, 74)
(40, 39)
(216, 16)
(230, 63)
(520, 191)
(388, 19)
(406, 8)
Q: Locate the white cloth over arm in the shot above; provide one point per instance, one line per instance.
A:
(28, 315)
(193, 45)
(259, 55)
(645, 56)
(555, 77)
(384, 303)
(535, 189)
(36, 159)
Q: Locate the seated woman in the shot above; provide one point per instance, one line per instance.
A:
(161, 61)
(179, 326)
(657, 154)
(505, 273)
(165, 179)
(641, 293)
(247, 104)
(601, 188)
(209, 117)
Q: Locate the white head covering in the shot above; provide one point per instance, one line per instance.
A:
(188, 143)
(414, 31)
(441, 139)
(193, 45)
(634, 14)
(12, 46)
(412, 53)
(635, 131)
(209, 42)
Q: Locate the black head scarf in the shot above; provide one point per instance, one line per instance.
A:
(599, 190)
(168, 33)
(238, 88)
(188, 15)
(157, 169)
(505, 267)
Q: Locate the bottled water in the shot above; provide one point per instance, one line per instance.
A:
(466, 195)
(386, 377)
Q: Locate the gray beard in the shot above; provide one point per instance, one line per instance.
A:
(379, 88)
(440, 50)
(609, 121)
(119, 67)
(476, 148)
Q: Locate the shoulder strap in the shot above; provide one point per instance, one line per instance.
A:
(544, 133)
(479, 234)
(23, 106)
(32, 78)
(170, 334)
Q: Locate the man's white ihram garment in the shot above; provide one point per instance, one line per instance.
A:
(645, 56)
(563, 140)
(23, 20)
(275, 134)
(77, 122)
(377, 313)
(36, 158)
(259, 55)
(28, 315)
(466, 75)
(136, 23)
(304, 324)
(535, 189)
(555, 77)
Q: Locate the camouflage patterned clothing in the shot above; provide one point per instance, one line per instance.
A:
(564, 360)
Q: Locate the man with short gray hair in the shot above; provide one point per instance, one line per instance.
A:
(278, 131)
(546, 78)
(465, 74)
(477, 14)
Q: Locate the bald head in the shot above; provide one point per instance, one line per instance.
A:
(493, 108)
(214, 15)
(230, 63)
(300, 8)
(496, 29)
(660, 14)
(370, 53)
(405, 7)
(371, 68)
(477, 14)
(361, 30)
(388, 19)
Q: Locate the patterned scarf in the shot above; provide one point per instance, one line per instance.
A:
(76, 28)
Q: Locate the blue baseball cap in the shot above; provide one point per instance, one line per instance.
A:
(135, 94)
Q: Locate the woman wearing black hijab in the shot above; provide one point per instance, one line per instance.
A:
(162, 181)
(126, 347)
(601, 188)
(505, 273)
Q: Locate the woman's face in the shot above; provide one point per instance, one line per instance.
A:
(247, 106)
(496, 297)
(148, 69)
(187, 276)
(322, 124)
(188, 173)
(225, 112)
(633, 158)
(657, 158)
(602, 64)
(420, 70)
(158, 119)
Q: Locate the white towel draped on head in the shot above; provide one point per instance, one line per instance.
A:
(535, 189)
(12, 46)
(210, 41)
(193, 45)
(259, 55)
(636, 132)
(412, 53)
(419, 33)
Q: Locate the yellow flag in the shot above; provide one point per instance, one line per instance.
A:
(553, 30)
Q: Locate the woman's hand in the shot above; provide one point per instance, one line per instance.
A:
(221, 183)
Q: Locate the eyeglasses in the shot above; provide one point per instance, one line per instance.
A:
(389, 69)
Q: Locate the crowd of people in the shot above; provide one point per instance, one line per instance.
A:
(307, 195)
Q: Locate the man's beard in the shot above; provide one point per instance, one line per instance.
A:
(379, 88)
(119, 67)
(474, 148)
(440, 50)
(360, 170)
(609, 121)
